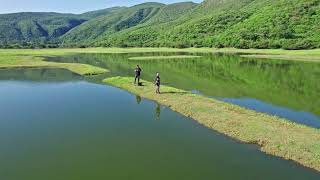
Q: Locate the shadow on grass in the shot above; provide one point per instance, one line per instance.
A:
(174, 92)
(139, 84)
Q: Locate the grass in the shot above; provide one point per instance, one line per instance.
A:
(278, 137)
(309, 58)
(163, 57)
(65, 51)
(302, 55)
(298, 55)
(23, 61)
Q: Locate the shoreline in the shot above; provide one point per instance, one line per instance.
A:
(312, 55)
(8, 62)
(164, 57)
(275, 136)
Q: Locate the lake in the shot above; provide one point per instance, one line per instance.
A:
(288, 89)
(55, 124)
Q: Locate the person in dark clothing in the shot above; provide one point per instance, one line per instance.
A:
(157, 83)
(137, 71)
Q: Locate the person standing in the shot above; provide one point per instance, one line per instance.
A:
(137, 71)
(157, 83)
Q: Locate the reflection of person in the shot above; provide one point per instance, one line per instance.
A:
(138, 99)
(137, 71)
(158, 111)
(157, 83)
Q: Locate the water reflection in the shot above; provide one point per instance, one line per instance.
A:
(157, 107)
(87, 134)
(158, 111)
(288, 84)
(138, 99)
(36, 74)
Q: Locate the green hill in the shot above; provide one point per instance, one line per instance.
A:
(288, 24)
(147, 33)
(115, 21)
(102, 12)
(25, 28)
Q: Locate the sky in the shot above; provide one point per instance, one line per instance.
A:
(69, 6)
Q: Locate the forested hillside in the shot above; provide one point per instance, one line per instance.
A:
(26, 29)
(288, 24)
(149, 32)
(115, 21)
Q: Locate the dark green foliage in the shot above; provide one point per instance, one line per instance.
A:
(35, 28)
(287, 24)
(102, 12)
(118, 20)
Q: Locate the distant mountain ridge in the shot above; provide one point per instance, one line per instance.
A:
(288, 24)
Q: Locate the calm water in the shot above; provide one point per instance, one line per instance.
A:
(287, 89)
(71, 129)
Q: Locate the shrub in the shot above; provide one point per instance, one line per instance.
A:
(297, 44)
(243, 44)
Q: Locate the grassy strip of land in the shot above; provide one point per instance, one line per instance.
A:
(163, 57)
(309, 58)
(280, 54)
(13, 61)
(64, 51)
(304, 55)
(278, 137)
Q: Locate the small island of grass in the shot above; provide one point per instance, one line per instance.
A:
(16, 61)
(275, 136)
(164, 57)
